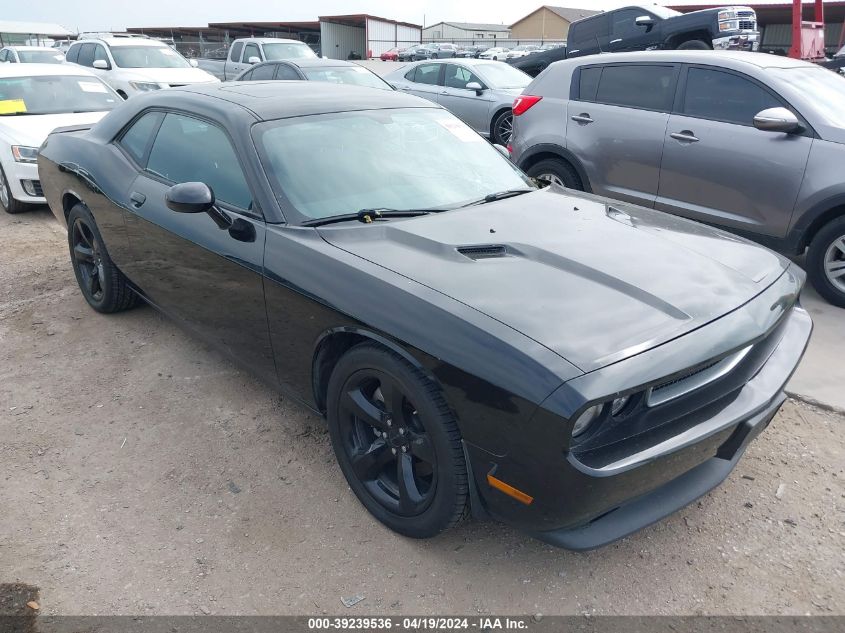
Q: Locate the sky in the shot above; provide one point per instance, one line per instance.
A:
(91, 15)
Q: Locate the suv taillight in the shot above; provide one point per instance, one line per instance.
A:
(523, 103)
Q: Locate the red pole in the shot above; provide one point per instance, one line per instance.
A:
(795, 49)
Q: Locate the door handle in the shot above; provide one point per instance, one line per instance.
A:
(616, 41)
(137, 199)
(685, 137)
(582, 118)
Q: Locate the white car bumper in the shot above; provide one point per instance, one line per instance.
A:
(23, 181)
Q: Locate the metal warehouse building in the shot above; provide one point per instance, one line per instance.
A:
(465, 31)
(333, 36)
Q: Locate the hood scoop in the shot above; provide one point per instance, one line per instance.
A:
(483, 251)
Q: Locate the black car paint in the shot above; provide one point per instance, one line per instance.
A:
(288, 302)
(535, 63)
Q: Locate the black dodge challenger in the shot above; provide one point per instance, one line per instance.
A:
(575, 367)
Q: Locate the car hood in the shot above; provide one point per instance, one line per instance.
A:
(593, 280)
(33, 130)
(169, 75)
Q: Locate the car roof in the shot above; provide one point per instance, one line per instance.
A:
(271, 40)
(31, 70)
(31, 48)
(316, 62)
(728, 59)
(270, 100)
(124, 41)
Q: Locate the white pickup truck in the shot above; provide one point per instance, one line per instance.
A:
(247, 51)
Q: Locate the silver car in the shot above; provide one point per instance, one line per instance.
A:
(750, 142)
(477, 91)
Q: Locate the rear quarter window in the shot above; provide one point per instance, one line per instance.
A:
(646, 87)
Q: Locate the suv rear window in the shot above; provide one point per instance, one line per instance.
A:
(647, 87)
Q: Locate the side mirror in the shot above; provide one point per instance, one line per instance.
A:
(777, 120)
(194, 63)
(253, 60)
(101, 64)
(644, 20)
(190, 197)
(474, 85)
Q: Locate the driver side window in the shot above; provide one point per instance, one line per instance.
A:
(192, 150)
(459, 77)
(251, 50)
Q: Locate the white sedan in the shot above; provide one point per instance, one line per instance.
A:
(494, 53)
(35, 99)
(30, 55)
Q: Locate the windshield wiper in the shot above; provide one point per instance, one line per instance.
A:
(368, 216)
(501, 195)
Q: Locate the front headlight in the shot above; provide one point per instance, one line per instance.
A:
(727, 15)
(731, 25)
(144, 86)
(24, 154)
(586, 419)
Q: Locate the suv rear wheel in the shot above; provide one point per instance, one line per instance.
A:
(556, 171)
(826, 262)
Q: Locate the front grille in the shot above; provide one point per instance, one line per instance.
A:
(694, 380)
(745, 14)
(747, 25)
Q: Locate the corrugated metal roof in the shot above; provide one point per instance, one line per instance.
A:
(33, 28)
(476, 26)
(570, 15)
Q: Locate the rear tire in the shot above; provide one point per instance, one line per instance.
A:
(7, 200)
(397, 442)
(556, 171)
(694, 45)
(104, 287)
(826, 262)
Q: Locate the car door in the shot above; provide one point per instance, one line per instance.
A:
(472, 108)
(589, 36)
(617, 124)
(717, 167)
(208, 278)
(424, 80)
(625, 35)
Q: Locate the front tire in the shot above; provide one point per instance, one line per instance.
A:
(826, 262)
(7, 200)
(104, 287)
(694, 45)
(397, 442)
(557, 172)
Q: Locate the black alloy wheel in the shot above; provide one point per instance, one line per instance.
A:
(87, 259)
(104, 287)
(397, 442)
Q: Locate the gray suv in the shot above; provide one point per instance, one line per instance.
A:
(749, 142)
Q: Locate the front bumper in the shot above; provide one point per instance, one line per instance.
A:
(16, 174)
(583, 502)
(745, 41)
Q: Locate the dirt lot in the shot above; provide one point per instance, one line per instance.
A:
(142, 473)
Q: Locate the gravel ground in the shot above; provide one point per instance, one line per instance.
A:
(142, 473)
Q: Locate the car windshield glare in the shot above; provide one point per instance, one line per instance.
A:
(826, 87)
(499, 75)
(41, 57)
(49, 94)
(148, 57)
(284, 50)
(355, 75)
(420, 158)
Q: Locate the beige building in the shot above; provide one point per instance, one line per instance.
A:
(547, 23)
